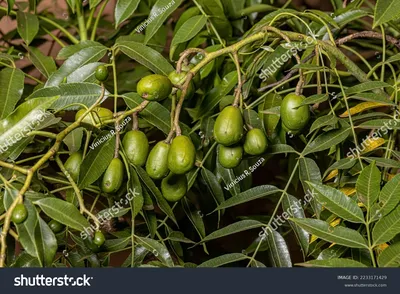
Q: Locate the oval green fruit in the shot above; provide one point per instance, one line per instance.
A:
(55, 226)
(228, 128)
(157, 162)
(113, 176)
(99, 238)
(136, 146)
(182, 155)
(256, 142)
(179, 79)
(154, 87)
(294, 117)
(226, 101)
(174, 187)
(230, 157)
(101, 73)
(19, 214)
(100, 114)
(73, 164)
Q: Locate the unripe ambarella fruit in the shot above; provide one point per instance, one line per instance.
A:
(256, 142)
(99, 238)
(100, 114)
(179, 79)
(73, 164)
(154, 87)
(182, 155)
(113, 176)
(228, 128)
(294, 117)
(157, 162)
(19, 214)
(101, 73)
(136, 146)
(230, 157)
(174, 187)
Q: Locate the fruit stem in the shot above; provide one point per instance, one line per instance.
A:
(185, 54)
(238, 90)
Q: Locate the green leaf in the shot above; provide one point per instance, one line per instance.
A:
(249, 195)
(387, 227)
(252, 118)
(381, 124)
(85, 73)
(223, 259)
(136, 192)
(162, 203)
(334, 262)
(339, 235)
(366, 86)
(292, 206)
(28, 26)
(116, 245)
(213, 185)
(281, 148)
(368, 185)
(389, 197)
(74, 140)
(166, 7)
(158, 250)
(234, 228)
(45, 64)
(318, 98)
(83, 93)
(87, 55)
(338, 203)
(97, 160)
(124, 9)
(11, 87)
(63, 212)
(323, 121)
(47, 241)
(327, 140)
(145, 55)
(385, 11)
(70, 50)
(309, 172)
(25, 118)
(279, 251)
(390, 257)
(215, 9)
(344, 163)
(189, 29)
(228, 178)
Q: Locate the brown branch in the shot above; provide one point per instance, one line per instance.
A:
(187, 53)
(368, 34)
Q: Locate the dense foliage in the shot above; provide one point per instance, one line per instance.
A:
(200, 133)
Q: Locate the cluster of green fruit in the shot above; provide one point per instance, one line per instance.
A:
(229, 132)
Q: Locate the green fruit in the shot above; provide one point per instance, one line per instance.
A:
(182, 155)
(294, 117)
(256, 142)
(230, 157)
(55, 226)
(19, 214)
(174, 187)
(101, 73)
(228, 128)
(100, 114)
(157, 162)
(154, 87)
(179, 79)
(73, 164)
(226, 101)
(113, 176)
(136, 146)
(99, 238)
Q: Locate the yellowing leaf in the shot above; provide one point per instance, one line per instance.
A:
(333, 224)
(332, 174)
(373, 144)
(381, 247)
(362, 107)
(348, 190)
